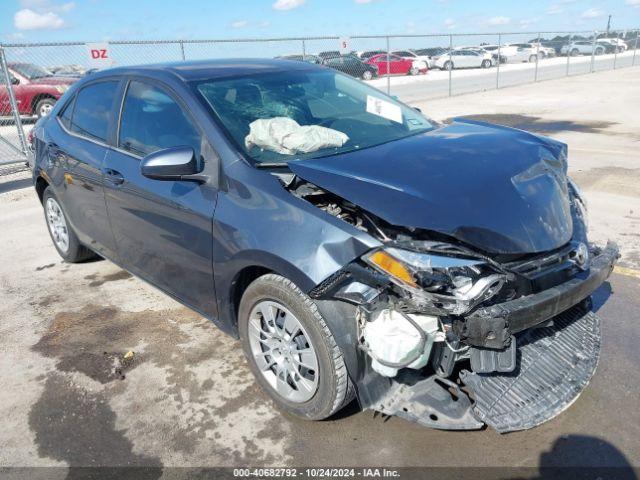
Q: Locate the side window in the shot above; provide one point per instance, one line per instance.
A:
(93, 110)
(67, 111)
(152, 121)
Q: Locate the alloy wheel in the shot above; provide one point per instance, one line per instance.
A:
(45, 109)
(283, 351)
(57, 224)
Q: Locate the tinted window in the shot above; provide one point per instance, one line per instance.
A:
(67, 111)
(152, 121)
(93, 110)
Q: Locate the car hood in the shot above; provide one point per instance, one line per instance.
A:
(501, 190)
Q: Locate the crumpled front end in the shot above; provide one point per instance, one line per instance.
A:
(453, 338)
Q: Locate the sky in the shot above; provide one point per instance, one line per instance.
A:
(104, 20)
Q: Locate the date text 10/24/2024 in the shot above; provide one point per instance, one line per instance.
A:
(318, 472)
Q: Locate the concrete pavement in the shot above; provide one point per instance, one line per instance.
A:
(187, 398)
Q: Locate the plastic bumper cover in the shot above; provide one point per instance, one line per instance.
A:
(492, 327)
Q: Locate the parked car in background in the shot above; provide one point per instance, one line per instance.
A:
(355, 248)
(36, 89)
(617, 43)
(431, 52)
(412, 55)
(68, 70)
(367, 54)
(302, 58)
(353, 66)
(542, 50)
(493, 50)
(520, 52)
(329, 54)
(464, 58)
(608, 46)
(583, 47)
(395, 65)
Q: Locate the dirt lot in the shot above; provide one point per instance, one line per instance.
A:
(186, 398)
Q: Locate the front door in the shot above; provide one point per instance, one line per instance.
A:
(163, 229)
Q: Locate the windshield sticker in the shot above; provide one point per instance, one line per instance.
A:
(384, 109)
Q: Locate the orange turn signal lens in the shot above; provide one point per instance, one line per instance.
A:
(393, 267)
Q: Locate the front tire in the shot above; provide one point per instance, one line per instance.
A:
(62, 235)
(533, 58)
(414, 71)
(575, 52)
(44, 107)
(486, 64)
(448, 65)
(291, 350)
(367, 75)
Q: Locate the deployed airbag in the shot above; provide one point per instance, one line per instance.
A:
(285, 135)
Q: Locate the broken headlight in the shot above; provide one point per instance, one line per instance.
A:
(438, 283)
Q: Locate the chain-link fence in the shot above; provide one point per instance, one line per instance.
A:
(412, 67)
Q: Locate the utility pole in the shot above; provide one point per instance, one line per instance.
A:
(608, 25)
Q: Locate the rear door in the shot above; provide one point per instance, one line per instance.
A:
(163, 229)
(78, 140)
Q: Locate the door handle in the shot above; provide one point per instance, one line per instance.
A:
(113, 176)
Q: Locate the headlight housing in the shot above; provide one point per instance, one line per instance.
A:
(441, 284)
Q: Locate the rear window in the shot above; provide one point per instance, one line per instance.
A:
(93, 110)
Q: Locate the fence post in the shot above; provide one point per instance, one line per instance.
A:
(450, 60)
(388, 68)
(4, 71)
(615, 56)
(499, 57)
(635, 47)
(535, 74)
(569, 53)
(593, 51)
(182, 50)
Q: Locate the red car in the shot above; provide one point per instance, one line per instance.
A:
(397, 65)
(35, 88)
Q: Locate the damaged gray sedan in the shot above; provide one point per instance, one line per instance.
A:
(358, 249)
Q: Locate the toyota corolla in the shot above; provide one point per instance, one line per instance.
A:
(357, 249)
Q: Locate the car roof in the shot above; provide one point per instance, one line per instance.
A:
(209, 69)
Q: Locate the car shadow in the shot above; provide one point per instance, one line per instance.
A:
(15, 185)
(601, 295)
(581, 457)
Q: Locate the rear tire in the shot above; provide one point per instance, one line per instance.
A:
(486, 64)
(414, 71)
(62, 235)
(575, 52)
(271, 310)
(367, 75)
(448, 65)
(533, 58)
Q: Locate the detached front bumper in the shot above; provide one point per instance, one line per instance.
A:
(557, 338)
(492, 327)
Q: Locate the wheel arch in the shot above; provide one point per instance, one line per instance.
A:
(41, 185)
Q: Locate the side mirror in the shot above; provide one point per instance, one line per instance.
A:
(176, 163)
(14, 81)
